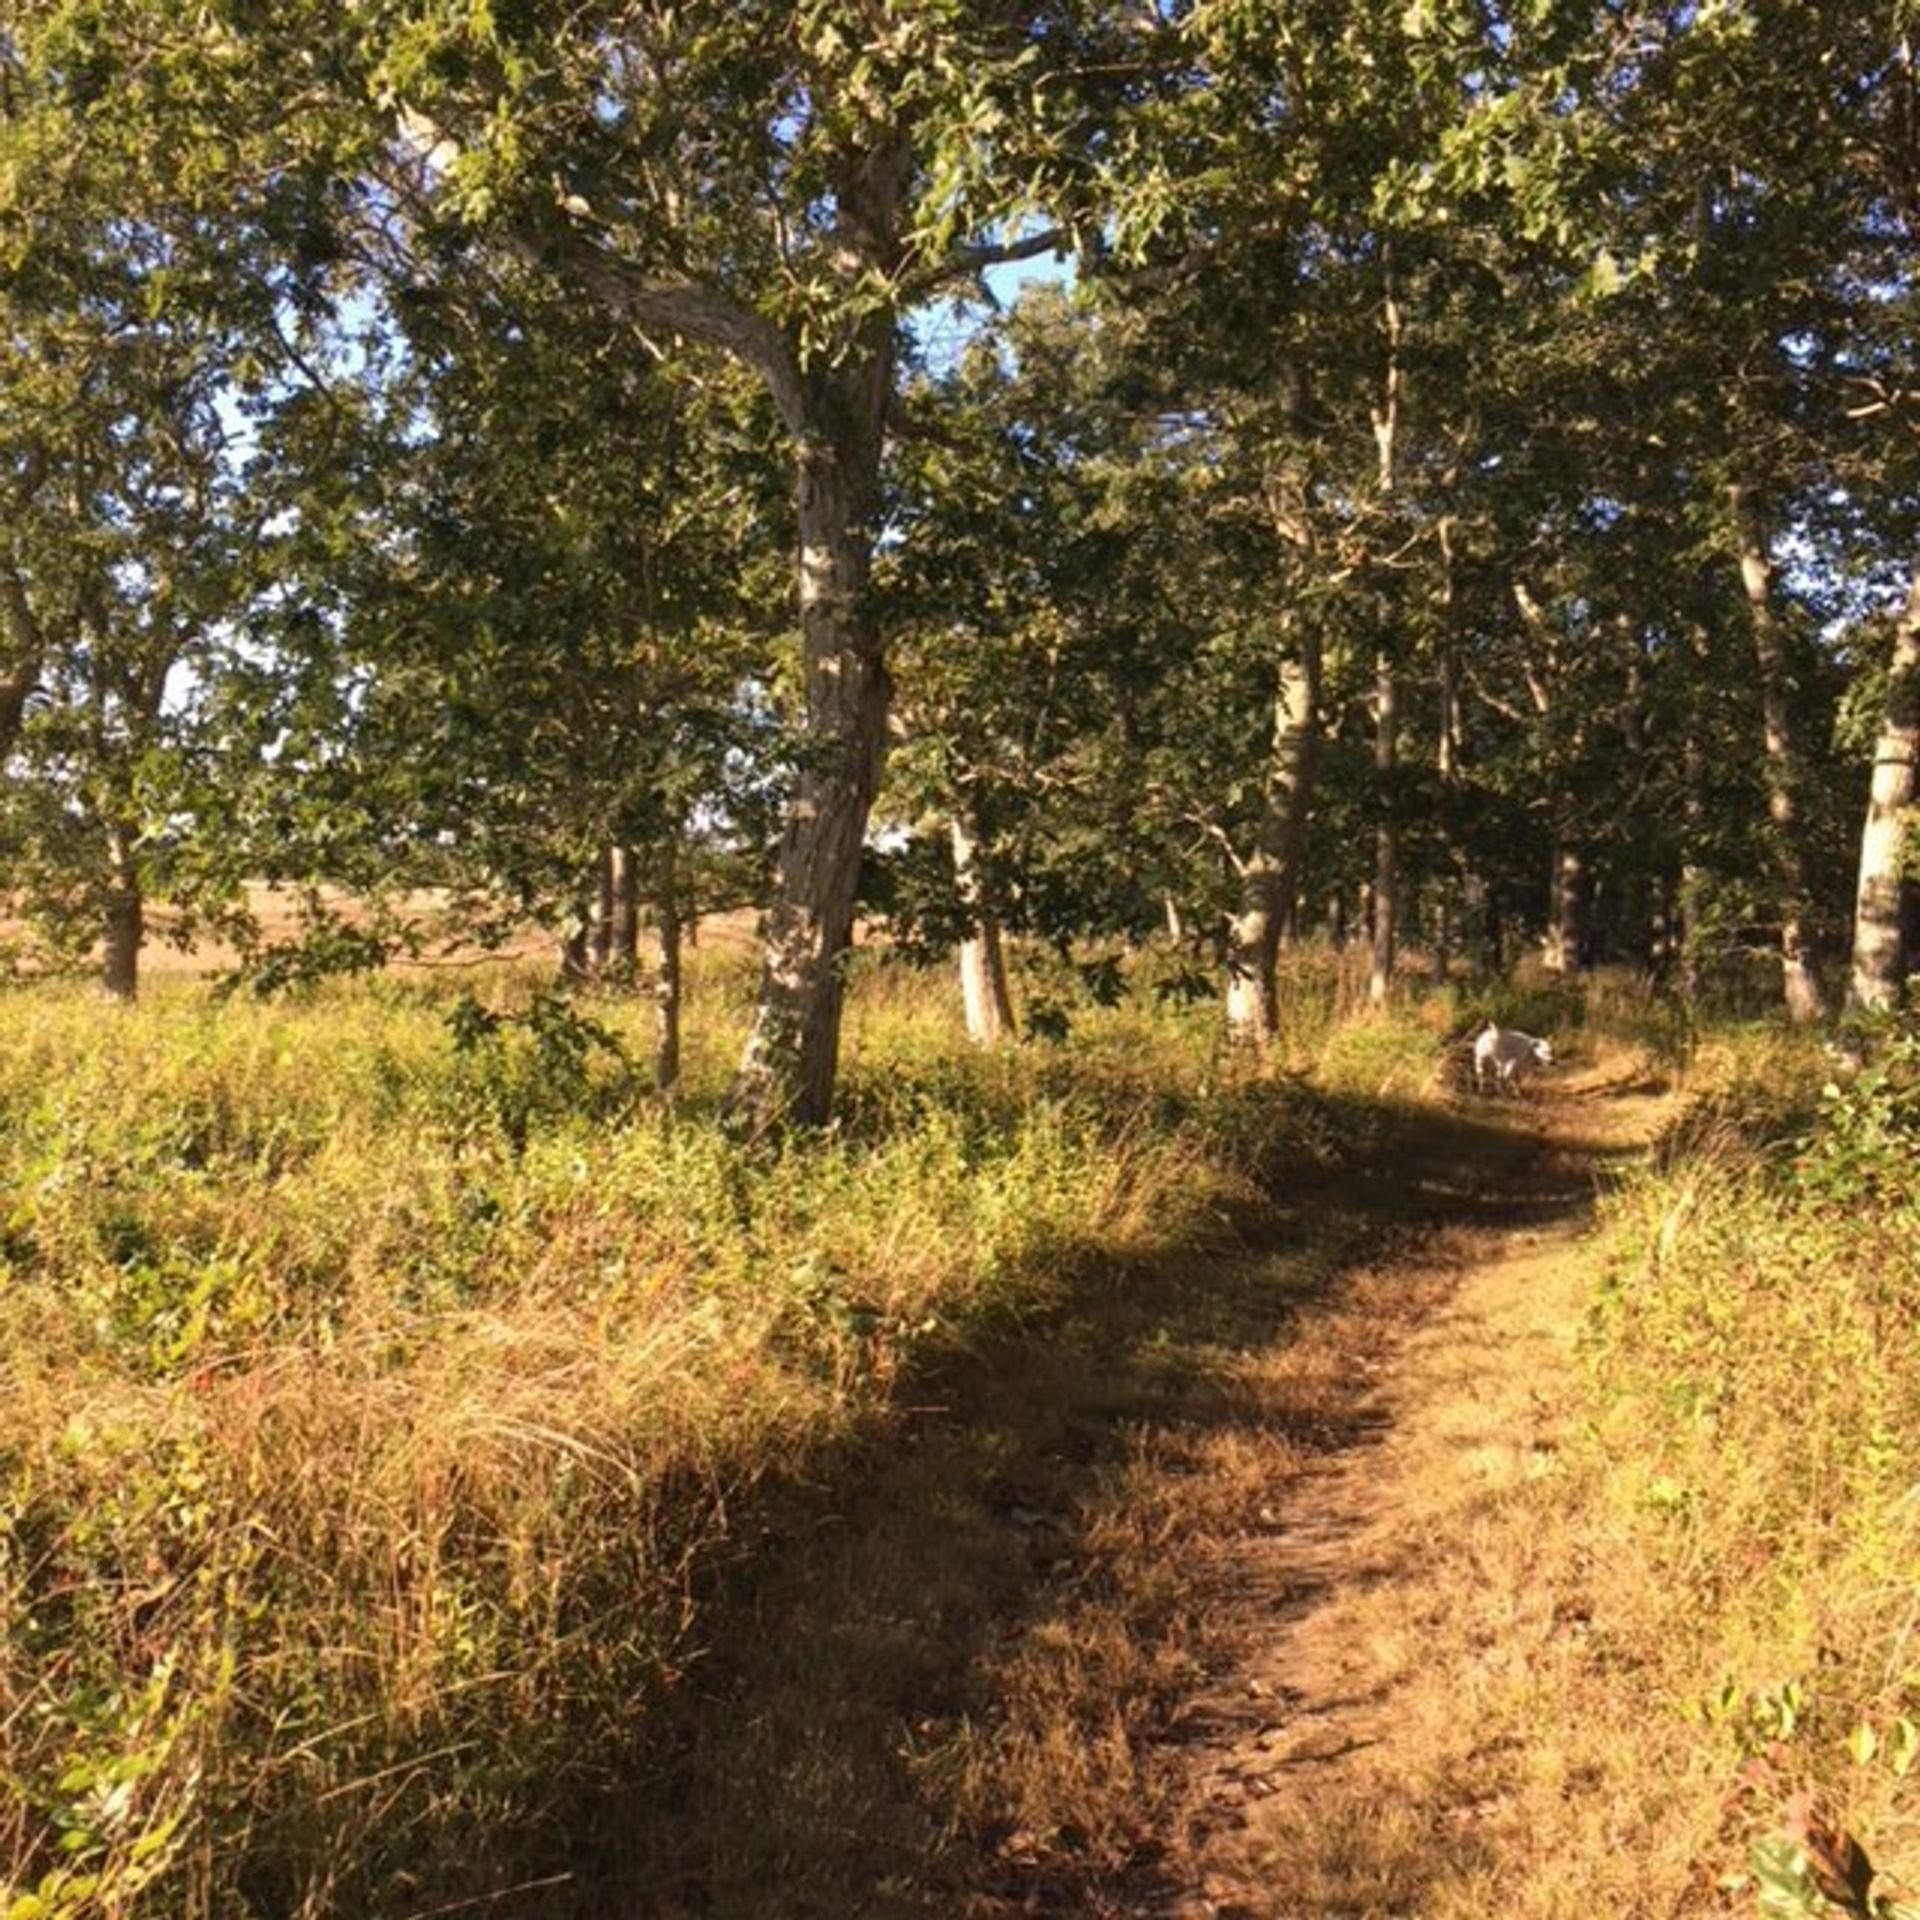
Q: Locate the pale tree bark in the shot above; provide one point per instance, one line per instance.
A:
(1637, 894)
(983, 967)
(669, 990)
(1879, 974)
(1269, 876)
(1386, 429)
(1447, 763)
(124, 918)
(1566, 939)
(600, 915)
(792, 1053)
(623, 915)
(1801, 985)
(834, 413)
(1386, 850)
(1567, 878)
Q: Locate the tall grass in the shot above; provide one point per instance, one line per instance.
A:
(1756, 1365)
(373, 1378)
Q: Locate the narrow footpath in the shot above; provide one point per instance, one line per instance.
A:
(1335, 1765)
(1183, 1602)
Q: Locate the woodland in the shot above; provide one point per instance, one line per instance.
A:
(696, 698)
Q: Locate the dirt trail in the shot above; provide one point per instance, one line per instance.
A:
(1173, 1604)
(1332, 1766)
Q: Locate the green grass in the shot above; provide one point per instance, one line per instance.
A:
(1755, 1355)
(369, 1398)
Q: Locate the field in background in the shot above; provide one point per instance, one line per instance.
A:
(171, 953)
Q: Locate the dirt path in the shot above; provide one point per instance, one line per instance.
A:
(1334, 1766)
(1174, 1605)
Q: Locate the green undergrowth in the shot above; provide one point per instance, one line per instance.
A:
(377, 1367)
(1756, 1357)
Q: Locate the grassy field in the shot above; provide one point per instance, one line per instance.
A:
(392, 1388)
(379, 1367)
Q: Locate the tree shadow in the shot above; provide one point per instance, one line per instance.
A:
(867, 1624)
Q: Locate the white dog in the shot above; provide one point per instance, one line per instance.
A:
(1508, 1055)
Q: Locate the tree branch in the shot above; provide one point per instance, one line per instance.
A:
(966, 263)
(688, 308)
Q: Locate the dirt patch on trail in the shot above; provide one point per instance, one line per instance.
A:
(1334, 1764)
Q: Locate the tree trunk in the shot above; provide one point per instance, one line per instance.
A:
(1386, 837)
(1636, 879)
(1270, 876)
(1879, 955)
(623, 915)
(1692, 911)
(600, 915)
(1566, 937)
(22, 646)
(669, 988)
(983, 967)
(1801, 984)
(792, 1055)
(124, 919)
(1447, 761)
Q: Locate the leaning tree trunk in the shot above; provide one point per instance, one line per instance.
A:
(983, 967)
(1270, 875)
(792, 1055)
(1386, 878)
(1879, 956)
(1801, 984)
(124, 919)
(669, 988)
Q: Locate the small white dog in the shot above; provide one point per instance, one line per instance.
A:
(1508, 1055)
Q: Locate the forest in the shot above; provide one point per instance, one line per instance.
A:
(761, 769)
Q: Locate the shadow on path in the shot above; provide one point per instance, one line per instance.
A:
(944, 1660)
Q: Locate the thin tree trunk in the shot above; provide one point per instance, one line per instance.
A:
(124, 920)
(1270, 875)
(623, 914)
(1693, 872)
(1447, 760)
(1805, 1001)
(1879, 955)
(669, 988)
(1636, 879)
(600, 915)
(1386, 878)
(983, 968)
(1566, 939)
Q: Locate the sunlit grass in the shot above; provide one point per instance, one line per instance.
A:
(368, 1398)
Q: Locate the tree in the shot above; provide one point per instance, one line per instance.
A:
(118, 548)
(778, 185)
